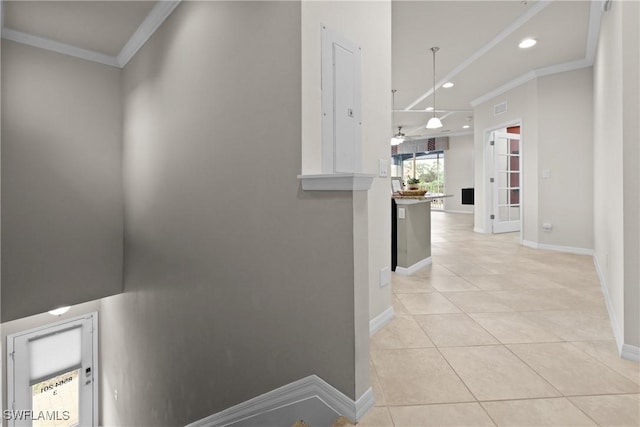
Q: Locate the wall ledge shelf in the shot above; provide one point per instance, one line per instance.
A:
(337, 182)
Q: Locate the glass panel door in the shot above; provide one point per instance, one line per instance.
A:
(51, 377)
(56, 400)
(507, 163)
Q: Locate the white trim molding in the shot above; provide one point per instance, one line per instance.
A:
(290, 394)
(626, 351)
(408, 271)
(158, 14)
(337, 182)
(54, 46)
(595, 14)
(630, 352)
(557, 248)
(380, 321)
(617, 332)
(459, 212)
(532, 11)
(541, 72)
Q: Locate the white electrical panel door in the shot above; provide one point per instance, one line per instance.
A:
(344, 129)
(341, 111)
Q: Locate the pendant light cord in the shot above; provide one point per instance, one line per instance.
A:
(434, 50)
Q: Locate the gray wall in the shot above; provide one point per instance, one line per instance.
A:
(236, 281)
(616, 178)
(61, 181)
(565, 148)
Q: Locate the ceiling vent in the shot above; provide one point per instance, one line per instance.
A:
(500, 108)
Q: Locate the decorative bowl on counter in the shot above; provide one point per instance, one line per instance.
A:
(413, 192)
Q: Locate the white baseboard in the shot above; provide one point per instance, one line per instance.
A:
(380, 320)
(630, 352)
(408, 271)
(479, 230)
(290, 394)
(459, 212)
(557, 248)
(626, 351)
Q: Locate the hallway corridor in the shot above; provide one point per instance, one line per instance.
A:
(494, 333)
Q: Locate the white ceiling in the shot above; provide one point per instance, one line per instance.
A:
(479, 53)
(108, 32)
(477, 40)
(100, 26)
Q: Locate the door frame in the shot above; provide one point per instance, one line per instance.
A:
(488, 174)
(46, 330)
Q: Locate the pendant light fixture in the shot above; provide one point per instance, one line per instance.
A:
(398, 138)
(434, 122)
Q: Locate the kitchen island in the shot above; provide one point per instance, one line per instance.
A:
(411, 232)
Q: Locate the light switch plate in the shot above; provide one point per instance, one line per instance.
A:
(546, 173)
(401, 213)
(383, 168)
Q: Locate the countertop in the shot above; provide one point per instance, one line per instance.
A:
(409, 200)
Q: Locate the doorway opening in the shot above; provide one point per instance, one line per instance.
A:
(505, 154)
(51, 375)
(426, 166)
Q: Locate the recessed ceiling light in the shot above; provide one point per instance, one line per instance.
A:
(466, 127)
(447, 85)
(527, 43)
(59, 311)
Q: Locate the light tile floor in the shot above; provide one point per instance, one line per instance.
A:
(494, 333)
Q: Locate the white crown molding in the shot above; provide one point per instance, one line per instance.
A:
(540, 72)
(337, 182)
(380, 320)
(158, 14)
(518, 81)
(54, 46)
(522, 19)
(595, 17)
(290, 394)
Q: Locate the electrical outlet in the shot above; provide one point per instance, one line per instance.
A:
(115, 394)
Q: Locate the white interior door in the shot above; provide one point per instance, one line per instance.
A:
(507, 182)
(51, 375)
